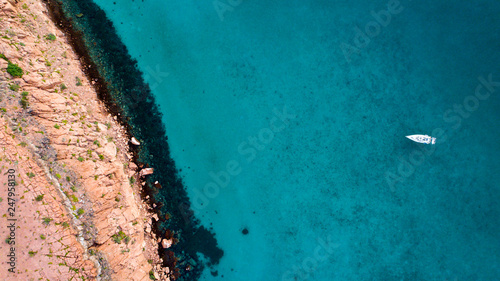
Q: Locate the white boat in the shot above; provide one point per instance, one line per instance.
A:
(422, 139)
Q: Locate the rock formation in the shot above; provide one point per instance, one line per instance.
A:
(80, 214)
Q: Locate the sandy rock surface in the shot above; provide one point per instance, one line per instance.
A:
(78, 213)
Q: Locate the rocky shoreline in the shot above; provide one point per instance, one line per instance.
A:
(80, 210)
(121, 85)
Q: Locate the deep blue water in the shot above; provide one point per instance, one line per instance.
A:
(287, 120)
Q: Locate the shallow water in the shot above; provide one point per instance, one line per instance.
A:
(278, 129)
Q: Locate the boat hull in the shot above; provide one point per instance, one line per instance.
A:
(422, 139)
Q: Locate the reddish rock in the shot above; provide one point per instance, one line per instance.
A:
(146, 171)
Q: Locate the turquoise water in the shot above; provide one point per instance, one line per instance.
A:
(287, 122)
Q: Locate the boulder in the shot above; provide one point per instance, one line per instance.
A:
(37, 81)
(146, 171)
(110, 151)
(134, 141)
(166, 243)
(7, 7)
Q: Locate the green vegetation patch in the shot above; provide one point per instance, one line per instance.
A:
(50, 37)
(24, 100)
(14, 70)
(14, 87)
(119, 237)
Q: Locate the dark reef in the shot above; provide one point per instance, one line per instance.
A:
(120, 84)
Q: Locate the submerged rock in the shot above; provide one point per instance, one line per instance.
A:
(134, 141)
(157, 185)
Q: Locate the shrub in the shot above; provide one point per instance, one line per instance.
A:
(14, 87)
(63, 87)
(117, 238)
(15, 70)
(81, 159)
(2, 56)
(24, 103)
(80, 211)
(58, 176)
(30, 175)
(65, 224)
(24, 100)
(101, 156)
(31, 253)
(42, 237)
(47, 221)
(39, 197)
(57, 126)
(78, 81)
(50, 37)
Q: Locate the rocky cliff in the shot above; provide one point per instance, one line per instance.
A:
(78, 209)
